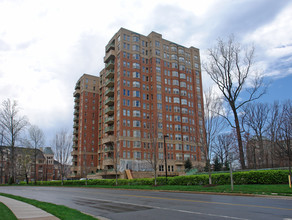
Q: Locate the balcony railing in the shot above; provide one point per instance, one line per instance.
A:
(110, 92)
(76, 112)
(110, 46)
(109, 120)
(109, 82)
(110, 110)
(109, 129)
(110, 73)
(109, 101)
(110, 65)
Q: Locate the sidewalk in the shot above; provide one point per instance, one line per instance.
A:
(25, 211)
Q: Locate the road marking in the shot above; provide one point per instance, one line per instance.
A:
(168, 209)
(199, 201)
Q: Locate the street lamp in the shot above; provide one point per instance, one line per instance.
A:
(164, 136)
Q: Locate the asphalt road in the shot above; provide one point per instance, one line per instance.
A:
(139, 204)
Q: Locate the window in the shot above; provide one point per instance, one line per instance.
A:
(136, 56)
(178, 137)
(174, 65)
(136, 75)
(136, 123)
(182, 76)
(175, 82)
(135, 47)
(175, 73)
(176, 100)
(136, 94)
(157, 52)
(136, 113)
(136, 103)
(136, 133)
(173, 49)
(178, 146)
(183, 84)
(157, 43)
(174, 57)
(135, 38)
(136, 65)
(159, 106)
(175, 91)
(136, 84)
(159, 97)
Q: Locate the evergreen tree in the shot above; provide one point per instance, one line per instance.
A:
(217, 164)
(226, 164)
(188, 164)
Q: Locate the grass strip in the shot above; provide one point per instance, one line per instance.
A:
(277, 189)
(6, 213)
(59, 211)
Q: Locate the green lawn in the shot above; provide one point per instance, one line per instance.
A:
(6, 213)
(59, 211)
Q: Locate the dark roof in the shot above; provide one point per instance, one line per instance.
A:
(22, 150)
(48, 150)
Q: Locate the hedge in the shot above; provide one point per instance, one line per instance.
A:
(244, 177)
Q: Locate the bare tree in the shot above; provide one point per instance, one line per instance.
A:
(24, 162)
(153, 160)
(285, 133)
(214, 123)
(230, 66)
(62, 144)
(13, 124)
(273, 128)
(35, 140)
(256, 118)
(223, 148)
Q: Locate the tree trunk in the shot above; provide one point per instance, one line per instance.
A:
(239, 139)
(209, 172)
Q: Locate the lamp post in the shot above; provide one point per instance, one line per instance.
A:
(164, 136)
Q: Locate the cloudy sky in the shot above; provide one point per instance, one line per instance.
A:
(45, 46)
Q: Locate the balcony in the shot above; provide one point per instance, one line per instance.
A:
(109, 149)
(110, 46)
(74, 159)
(108, 161)
(77, 86)
(179, 162)
(109, 129)
(76, 106)
(76, 118)
(76, 93)
(109, 83)
(75, 139)
(109, 101)
(74, 152)
(110, 73)
(110, 65)
(108, 139)
(76, 112)
(77, 100)
(75, 125)
(75, 132)
(110, 110)
(109, 55)
(110, 92)
(109, 120)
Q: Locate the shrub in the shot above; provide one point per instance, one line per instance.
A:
(243, 177)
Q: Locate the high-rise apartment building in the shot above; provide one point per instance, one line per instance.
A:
(150, 96)
(85, 133)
